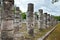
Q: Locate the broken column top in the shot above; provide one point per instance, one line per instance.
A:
(52, 16)
(12, 1)
(17, 8)
(8, 4)
(31, 7)
(7, 7)
(41, 10)
(45, 13)
(48, 14)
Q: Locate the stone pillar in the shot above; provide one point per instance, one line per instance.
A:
(30, 28)
(45, 20)
(52, 20)
(48, 20)
(0, 3)
(7, 31)
(17, 23)
(56, 22)
(17, 20)
(35, 19)
(40, 23)
(35, 22)
(0, 24)
(0, 19)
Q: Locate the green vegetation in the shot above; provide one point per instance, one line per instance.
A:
(37, 33)
(23, 15)
(57, 17)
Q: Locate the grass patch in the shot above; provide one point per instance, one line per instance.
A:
(55, 35)
(37, 33)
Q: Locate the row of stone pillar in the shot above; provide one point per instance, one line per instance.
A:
(44, 20)
(11, 22)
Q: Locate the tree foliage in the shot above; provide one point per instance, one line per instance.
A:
(57, 17)
(23, 15)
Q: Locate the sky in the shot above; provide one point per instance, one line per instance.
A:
(46, 5)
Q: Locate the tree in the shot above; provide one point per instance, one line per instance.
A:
(23, 15)
(57, 17)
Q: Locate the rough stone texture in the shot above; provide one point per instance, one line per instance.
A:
(52, 20)
(48, 20)
(17, 20)
(30, 28)
(45, 20)
(30, 7)
(18, 36)
(34, 19)
(17, 24)
(7, 20)
(0, 19)
(40, 26)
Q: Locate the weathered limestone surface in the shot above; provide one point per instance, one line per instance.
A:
(34, 19)
(45, 20)
(48, 20)
(40, 24)
(0, 19)
(17, 20)
(17, 24)
(52, 20)
(7, 20)
(30, 28)
(10, 23)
